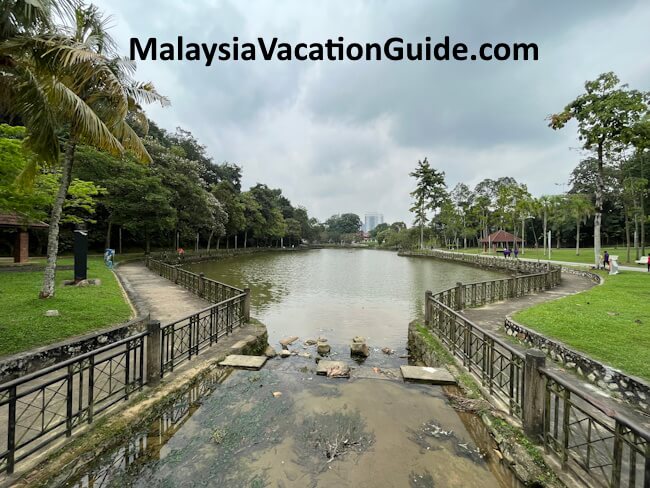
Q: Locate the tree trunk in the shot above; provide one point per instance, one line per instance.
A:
(578, 237)
(600, 190)
(108, 233)
(53, 232)
(218, 241)
(627, 234)
(210, 240)
(545, 233)
(245, 239)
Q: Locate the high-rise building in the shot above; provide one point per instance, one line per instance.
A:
(372, 220)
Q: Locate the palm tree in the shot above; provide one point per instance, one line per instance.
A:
(69, 88)
(580, 208)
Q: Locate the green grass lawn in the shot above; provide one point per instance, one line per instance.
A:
(23, 324)
(566, 254)
(610, 322)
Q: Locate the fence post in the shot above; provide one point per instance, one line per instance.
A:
(460, 296)
(153, 352)
(201, 284)
(427, 308)
(534, 392)
(247, 305)
(175, 275)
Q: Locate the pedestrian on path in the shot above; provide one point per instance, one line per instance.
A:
(516, 252)
(606, 260)
(649, 262)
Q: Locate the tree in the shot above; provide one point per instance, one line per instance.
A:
(580, 209)
(71, 79)
(463, 199)
(429, 194)
(606, 114)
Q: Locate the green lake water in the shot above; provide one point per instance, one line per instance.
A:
(339, 293)
(284, 426)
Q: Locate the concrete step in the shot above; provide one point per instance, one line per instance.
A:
(424, 374)
(244, 362)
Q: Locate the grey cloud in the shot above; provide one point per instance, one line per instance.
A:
(343, 136)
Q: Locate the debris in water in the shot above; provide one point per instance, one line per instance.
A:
(387, 350)
(421, 480)
(310, 342)
(332, 435)
(277, 394)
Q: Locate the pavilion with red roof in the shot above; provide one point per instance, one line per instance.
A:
(500, 238)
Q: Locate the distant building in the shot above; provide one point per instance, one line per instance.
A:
(372, 220)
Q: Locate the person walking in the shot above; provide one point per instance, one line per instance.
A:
(606, 260)
(649, 262)
(516, 253)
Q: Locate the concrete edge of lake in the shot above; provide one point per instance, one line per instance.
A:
(520, 456)
(52, 466)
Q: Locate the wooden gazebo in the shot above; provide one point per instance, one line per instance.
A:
(500, 238)
(21, 224)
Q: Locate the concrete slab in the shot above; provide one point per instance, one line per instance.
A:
(424, 374)
(325, 366)
(244, 362)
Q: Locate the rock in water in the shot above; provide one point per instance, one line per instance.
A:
(359, 347)
(387, 350)
(288, 340)
(323, 348)
(270, 352)
(285, 353)
(310, 342)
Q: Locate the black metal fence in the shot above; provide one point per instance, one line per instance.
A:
(54, 402)
(41, 407)
(209, 289)
(188, 336)
(601, 446)
(579, 432)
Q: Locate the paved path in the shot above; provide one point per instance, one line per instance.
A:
(152, 294)
(491, 317)
(641, 267)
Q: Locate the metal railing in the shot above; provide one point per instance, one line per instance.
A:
(552, 271)
(55, 401)
(209, 289)
(582, 434)
(188, 336)
(498, 366)
(600, 445)
(43, 406)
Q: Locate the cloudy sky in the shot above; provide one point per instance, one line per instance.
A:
(343, 136)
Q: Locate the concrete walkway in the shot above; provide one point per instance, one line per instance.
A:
(491, 317)
(638, 268)
(157, 296)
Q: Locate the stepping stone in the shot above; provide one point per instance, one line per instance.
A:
(244, 362)
(288, 340)
(324, 366)
(424, 374)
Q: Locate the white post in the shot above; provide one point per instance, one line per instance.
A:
(549, 245)
(235, 241)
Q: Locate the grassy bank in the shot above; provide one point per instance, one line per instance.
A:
(586, 255)
(23, 324)
(610, 323)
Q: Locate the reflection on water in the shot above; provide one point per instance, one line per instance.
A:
(318, 432)
(339, 293)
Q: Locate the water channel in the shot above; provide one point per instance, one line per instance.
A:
(284, 426)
